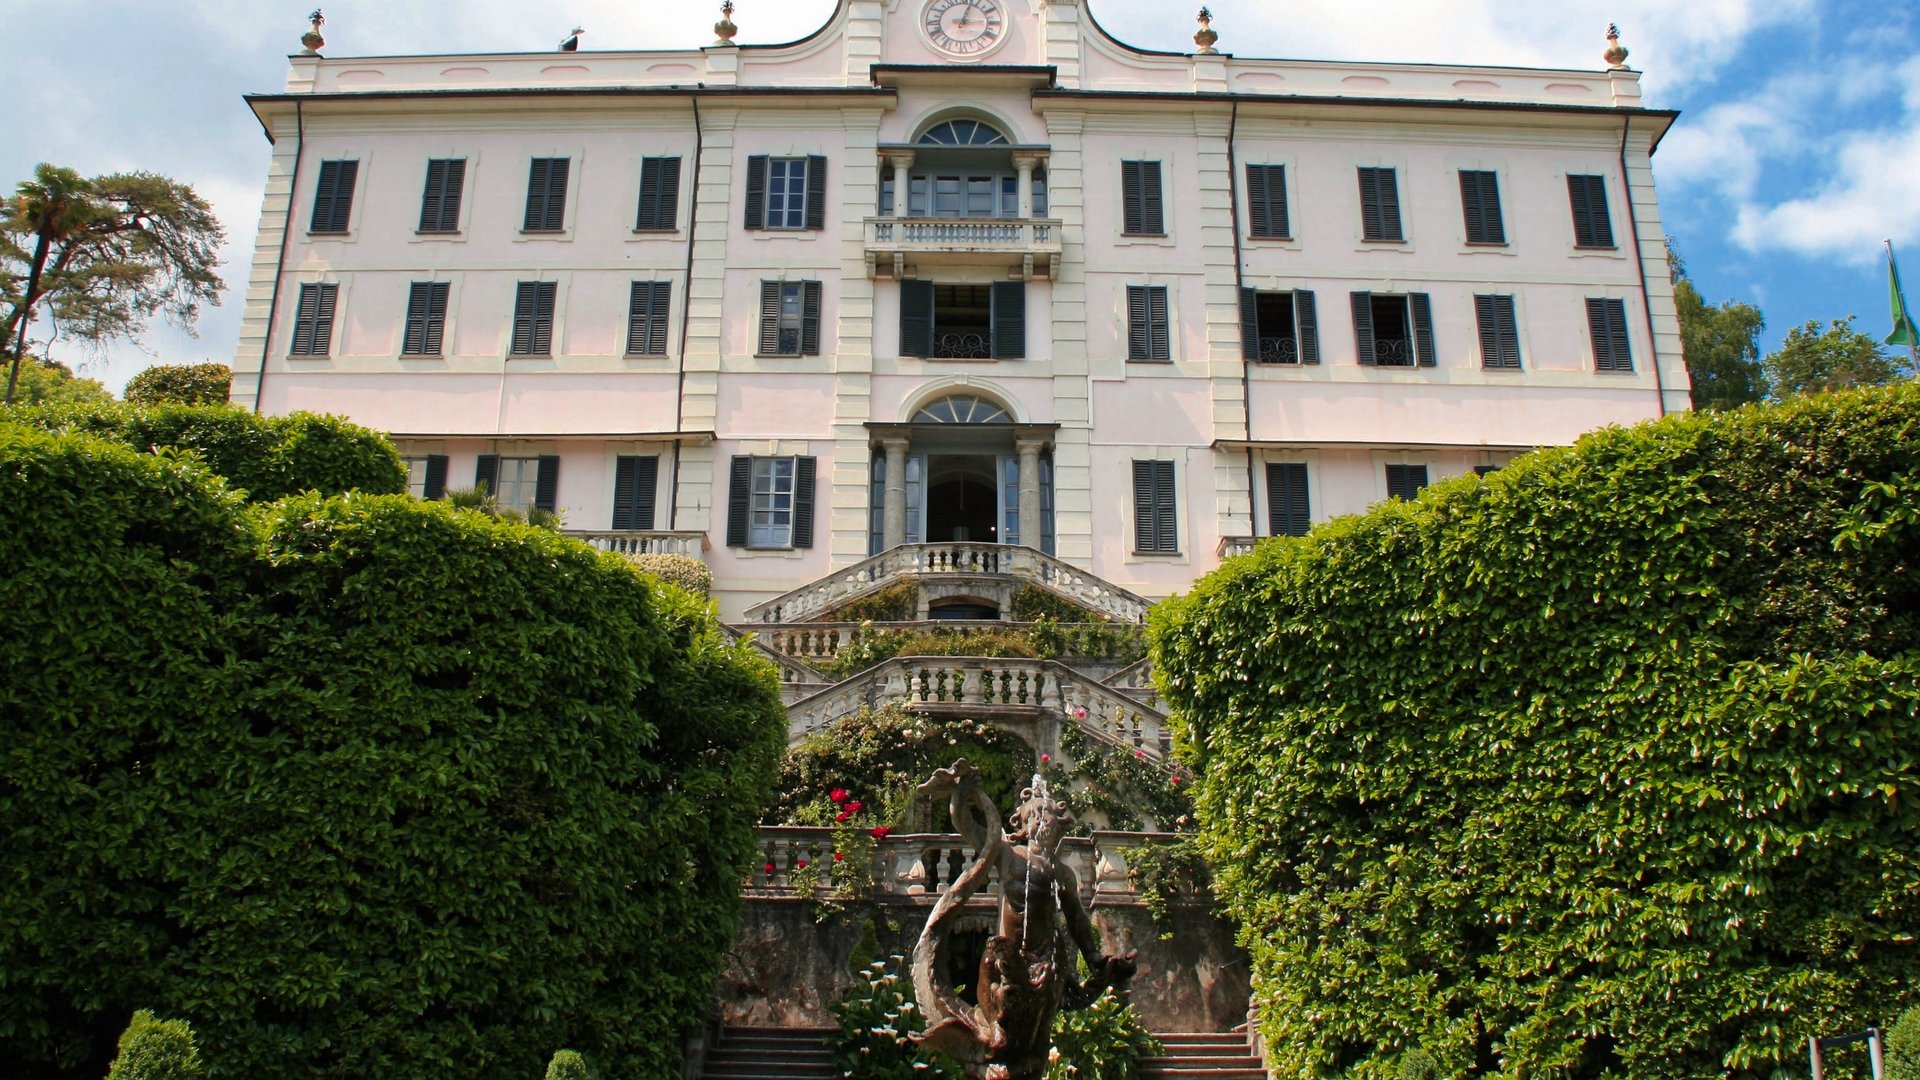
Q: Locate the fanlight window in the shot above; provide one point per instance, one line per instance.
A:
(964, 133)
(962, 409)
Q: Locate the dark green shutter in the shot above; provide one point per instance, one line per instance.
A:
(916, 317)
(313, 320)
(1421, 307)
(636, 480)
(1607, 324)
(1249, 324)
(1380, 204)
(770, 318)
(1009, 320)
(486, 473)
(436, 486)
(756, 194)
(546, 195)
(1306, 326)
(333, 196)
(440, 202)
(809, 318)
(739, 499)
(1155, 519)
(1363, 327)
(1267, 201)
(1592, 223)
(659, 194)
(1131, 213)
(1139, 345)
(1143, 212)
(413, 340)
(1499, 336)
(1289, 510)
(1405, 481)
(647, 307)
(546, 483)
(816, 192)
(1480, 203)
(803, 483)
(1159, 323)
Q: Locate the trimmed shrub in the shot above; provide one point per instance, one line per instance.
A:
(689, 573)
(153, 1049)
(365, 786)
(1903, 1047)
(1104, 1041)
(568, 1065)
(268, 457)
(180, 384)
(1604, 765)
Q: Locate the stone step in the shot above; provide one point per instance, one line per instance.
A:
(770, 1054)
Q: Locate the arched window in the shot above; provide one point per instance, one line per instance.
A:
(962, 409)
(964, 133)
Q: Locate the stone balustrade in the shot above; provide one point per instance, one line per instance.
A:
(646, 542)
(1236, 545)
(818, 643)
(1036, 244)
(818, 598)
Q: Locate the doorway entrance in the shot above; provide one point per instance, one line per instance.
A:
(963, 499)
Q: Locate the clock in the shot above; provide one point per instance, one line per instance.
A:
(964, 29)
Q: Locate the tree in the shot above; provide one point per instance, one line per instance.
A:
(104, 255)
(1722, 343)
(180, 384)
(48, 382)
(1838, 358)
(152, 1049)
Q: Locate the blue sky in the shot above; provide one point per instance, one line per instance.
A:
(1799, 150)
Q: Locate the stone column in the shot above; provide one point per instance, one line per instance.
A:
(894, 507)
(1029, 451)
(1025, 164)
(901, 161)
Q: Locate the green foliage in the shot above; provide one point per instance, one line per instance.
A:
(367, 786)
(897, 602)
(1032, 603)
(1903, 1047)
(877, 1018)
(1118, 643)
(268, 457)
(1722, 347)
(1419, 1065)
(685, 571)
(1163, 872)
(1046, 640)
(180, 384)
(153, 1049)
(1104, 1041)
(1603, 766)
(1119, 786)
(1811, 360)
(480, 501)
(879, 755)
(568, 1065)
(48, 382)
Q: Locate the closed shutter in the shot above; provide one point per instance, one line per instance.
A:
(1363, 327)
(816, 192)
(546, 195)
(310, 336)
(1249, 324)
(1480, 202)
(533, 305)
(803, 483)
(1288, 508)
(436, 486)
(739, 499)
(1009, 320)
(1405, 481)
(1139, 337)
(659, 194)
(770, 318)
(1267, 201)
(1421, 307)
(647, 318)
(1607, 324)
(413, 341)
(757, 192)
(1142, 211)
(1306, 326)
(333, 196)
(1499, 334)
(1159, 339)
(1380, 205)
(916, 317)
(440, 202)
(546, 483)
(809, 318)
(1155, 522)
(486, 473)
(636, 479)
(1592, 223)
(321, 334)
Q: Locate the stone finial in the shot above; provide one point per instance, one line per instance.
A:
(1616, 54)
(724, 29)
(1207, 35)
(312, 39)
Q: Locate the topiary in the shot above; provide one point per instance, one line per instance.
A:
(180, 384)
(1104, 1041)
(1903, 1047)
(689, 573)
(153, 1049)
(1417, 1064)
(568, 1065)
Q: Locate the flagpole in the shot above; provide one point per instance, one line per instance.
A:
(1913, 348)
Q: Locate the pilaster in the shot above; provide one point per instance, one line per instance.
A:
(858, 192)
(1072, 404)
(256, 325)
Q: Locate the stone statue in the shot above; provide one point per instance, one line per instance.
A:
(1028, 972)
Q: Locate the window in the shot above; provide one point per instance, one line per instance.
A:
(1140, 193)
(770, 502)
(1267, 201)
(426, 318)
(1288, 509)
(440, 202)
(427, 476)
(519, 482)
(963, 322)
(964, 195)
(1484, 471)
(659, 195)
(1155, 521)
(962, 409)
(313, 320)
(1394, 331)
(636, 479)
(964, 133)
(1499, 334)
(647, 318)
(333, 196)
(1148, 335)
(1480, 201)
(546, 195)
(1047, 531)
(786, 192)
(789, 318)
(1380, 206)
(1279, 327)
(1405, 481)
(1592, 226)
(533, 319)
(1607, 325)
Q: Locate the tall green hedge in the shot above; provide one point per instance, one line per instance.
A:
(267, 457)
(1607, 765)
(360, 786)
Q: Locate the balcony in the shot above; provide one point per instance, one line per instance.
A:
(636, 542)
(1033, 246)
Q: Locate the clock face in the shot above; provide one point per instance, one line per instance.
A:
(964, 28)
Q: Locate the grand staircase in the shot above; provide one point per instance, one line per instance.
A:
(801, 1054)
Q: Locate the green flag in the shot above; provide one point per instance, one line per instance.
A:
(1904, 332)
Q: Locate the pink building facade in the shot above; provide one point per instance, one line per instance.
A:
(956, 270)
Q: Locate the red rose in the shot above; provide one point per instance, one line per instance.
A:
(768, 868)
(1140, 754)
(855, 806)
(1044, 758)
(838, 795)
(1176, 779)
(800, 864)
(839, 857)
(879, 832)
(842, 815)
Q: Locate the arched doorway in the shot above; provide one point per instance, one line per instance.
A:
(960, 459)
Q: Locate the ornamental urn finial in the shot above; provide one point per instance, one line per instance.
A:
(1616, 54)
(312, 39)
(724, 29)
(1207, 35)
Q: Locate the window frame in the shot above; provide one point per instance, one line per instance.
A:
(552, 205)
(315, 322)
(332, 174)
(1273, 182)
(1386, 203)
(1156, 507)
(1609, 335)
(432, 321)
(1496, 317)
(1480, 201)
(543, 294)
(1143, 211)
(1149, 340)
(1591, 211)
(648, 327)
(1406, 469)
(794, 214)
(436, 204)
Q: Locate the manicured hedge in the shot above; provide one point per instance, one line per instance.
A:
(268, 457)
(1607, 765)
(360, 786)
(180, 384)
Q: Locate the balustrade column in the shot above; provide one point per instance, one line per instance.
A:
(894, 505)
(1025, 164)
(901, 163)
(1029, 451)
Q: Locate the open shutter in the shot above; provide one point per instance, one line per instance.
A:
(756, 194)
(546, 483)
(1144, 534)
(1258, 211)
(1009, 320)
(1159, 322)
(739, 500)
(1422, 308)
(1153, 219)
(413, 340)
(809, 318)
(803, 483)
(816, 192)
(486, 473)
(545, 292)
(1484, 315)
(1371, 227)
(1249, 324)
(1389, 191)
(1132, 213)
(436, 486)
(770, 318)
(1363, 327)
(323, 319)
(436, 317)
(916, 317)
(524, 306)
(433, 197)
(1288, 508)
(636, 479)
(1306, 326)
(1138, 344)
